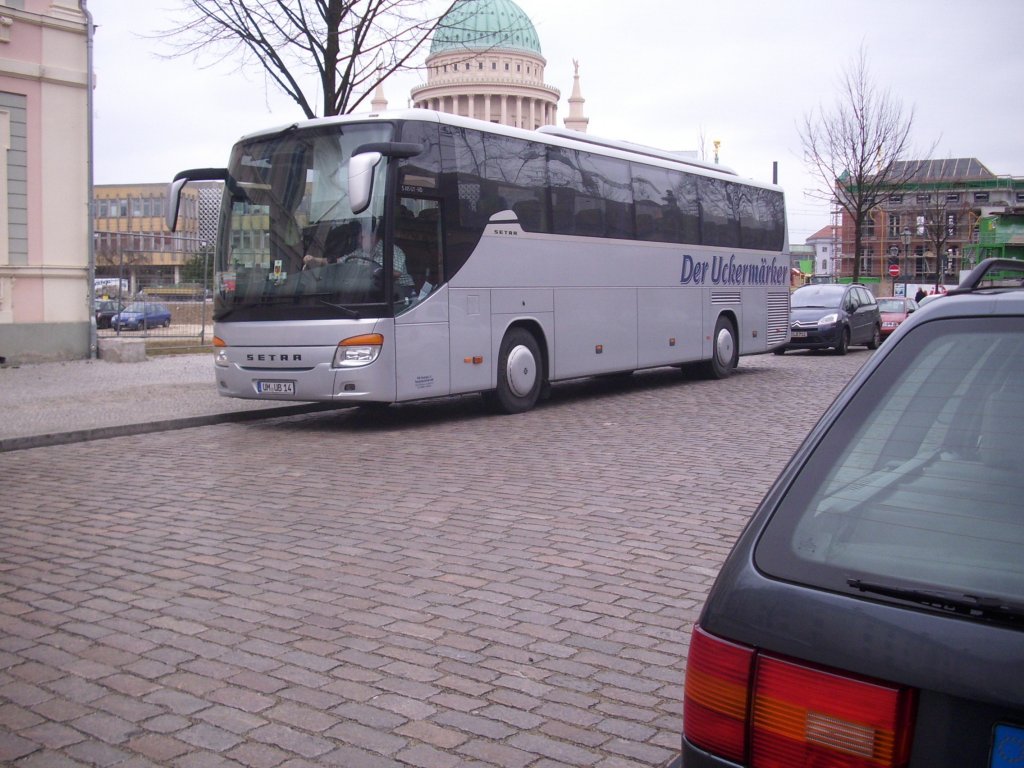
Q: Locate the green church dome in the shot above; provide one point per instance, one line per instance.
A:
(484, 25)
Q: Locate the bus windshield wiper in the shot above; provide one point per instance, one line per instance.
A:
(350, 312)
(970, 605)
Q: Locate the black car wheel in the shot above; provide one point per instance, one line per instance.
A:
(876, 338)
(844, 342)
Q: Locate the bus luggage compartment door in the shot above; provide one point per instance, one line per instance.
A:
(469, 311)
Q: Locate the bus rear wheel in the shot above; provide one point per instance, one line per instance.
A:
(724, 350)
(520, 374)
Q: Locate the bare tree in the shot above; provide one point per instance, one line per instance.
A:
(350, 45)
(856, 148)
(940, 223)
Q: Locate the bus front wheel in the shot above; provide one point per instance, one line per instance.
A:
(520, 374)
(724, 350)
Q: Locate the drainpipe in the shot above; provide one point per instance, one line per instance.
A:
(89, 29)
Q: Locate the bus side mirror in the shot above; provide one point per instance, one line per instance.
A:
(174, 202)
(179, 182)
(360, 179)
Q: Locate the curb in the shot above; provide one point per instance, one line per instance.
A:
(122, 430)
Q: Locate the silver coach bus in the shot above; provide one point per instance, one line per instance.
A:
(404, 255)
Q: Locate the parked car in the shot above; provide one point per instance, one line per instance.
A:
(141, 314)
(894, 309)
(872, 611)
(105, 310)
(833, 316)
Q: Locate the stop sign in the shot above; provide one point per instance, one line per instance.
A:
(894, 270)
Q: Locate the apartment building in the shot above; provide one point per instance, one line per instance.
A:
(931, 227)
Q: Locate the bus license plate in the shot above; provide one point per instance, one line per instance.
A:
(1007, 746)
(264, 387)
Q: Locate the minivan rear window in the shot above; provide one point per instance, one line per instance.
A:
(919, 481)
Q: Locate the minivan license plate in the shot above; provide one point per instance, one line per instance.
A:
(275, 387)
(1007, 747)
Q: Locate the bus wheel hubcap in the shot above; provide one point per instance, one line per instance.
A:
(521, 371)
(724, 346)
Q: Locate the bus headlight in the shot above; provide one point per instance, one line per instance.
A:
(358, 351)
(220, 352)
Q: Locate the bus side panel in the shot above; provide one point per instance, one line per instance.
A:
(754, 322)
(595, 331)
(669, 326)
(421, 347)
(469, 312)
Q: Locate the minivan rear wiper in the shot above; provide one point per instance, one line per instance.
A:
(970, 605)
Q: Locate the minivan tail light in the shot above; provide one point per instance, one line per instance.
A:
(717, 695)
(803, 715)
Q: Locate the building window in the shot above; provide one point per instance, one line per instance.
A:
(924, 199)
(895, 199)
(981, 197)
(894, 226)
(494, 65)
(868, 227)
(953, 197)
(865, 262)
(1020, 197)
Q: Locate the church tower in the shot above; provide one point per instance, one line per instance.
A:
(485, 62)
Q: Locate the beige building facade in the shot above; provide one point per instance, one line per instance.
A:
(44, 181)
(131, 239)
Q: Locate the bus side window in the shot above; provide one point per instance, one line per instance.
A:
(418, 234)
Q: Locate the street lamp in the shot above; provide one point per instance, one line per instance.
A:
(905, 237)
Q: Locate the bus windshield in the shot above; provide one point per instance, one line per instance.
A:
(290, 246)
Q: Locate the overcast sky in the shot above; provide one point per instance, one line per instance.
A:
(667, 73)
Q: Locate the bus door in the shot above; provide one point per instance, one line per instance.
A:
(421, 311)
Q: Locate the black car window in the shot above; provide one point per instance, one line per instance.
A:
(918, 480)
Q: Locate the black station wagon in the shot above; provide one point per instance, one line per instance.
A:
(872, 612)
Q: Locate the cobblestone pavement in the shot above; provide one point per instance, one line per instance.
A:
(428, 585)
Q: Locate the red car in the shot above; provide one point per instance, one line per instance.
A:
(894, 309)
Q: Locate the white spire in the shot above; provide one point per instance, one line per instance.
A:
(380, 102)
(576, 121)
